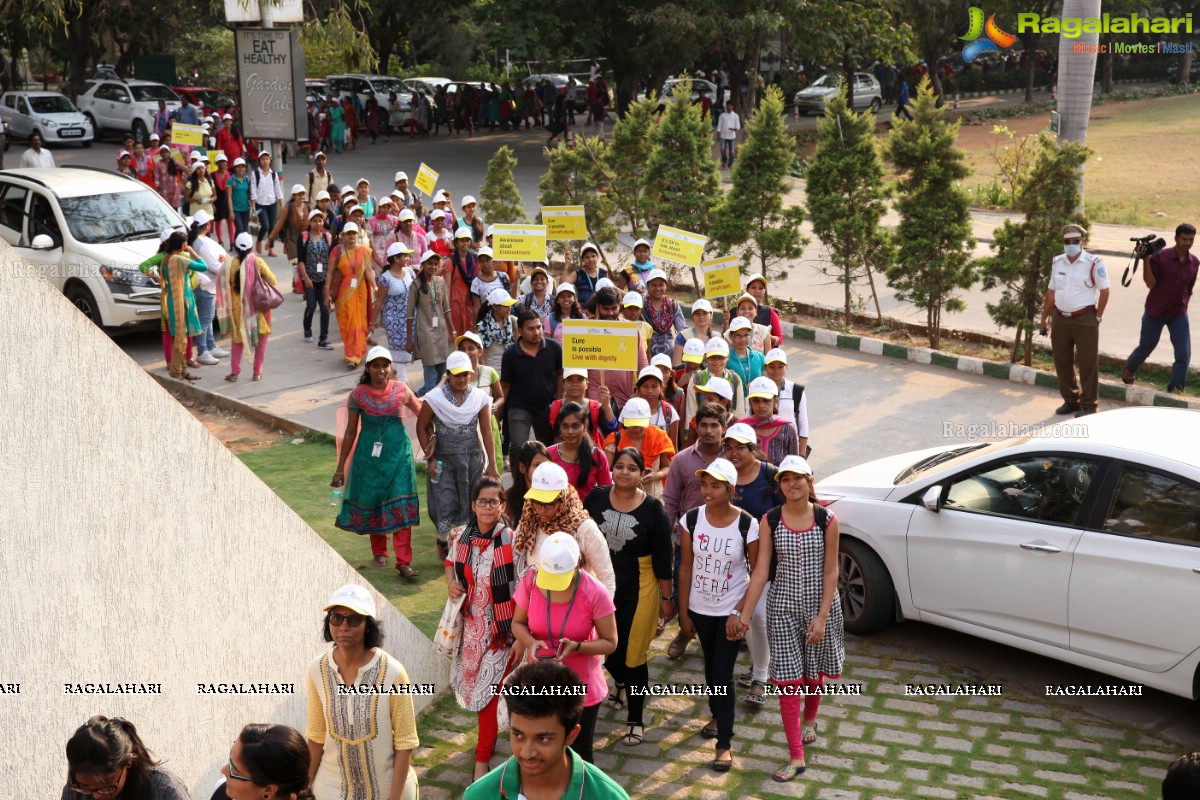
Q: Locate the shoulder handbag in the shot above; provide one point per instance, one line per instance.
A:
(264, 296)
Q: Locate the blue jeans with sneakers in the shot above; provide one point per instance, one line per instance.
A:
(206, 306)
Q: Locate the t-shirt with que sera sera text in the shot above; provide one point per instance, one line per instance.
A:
(719, 572)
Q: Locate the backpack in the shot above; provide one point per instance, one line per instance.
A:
(746, 523)
(593, 410)
(775, 516)
(797, 396)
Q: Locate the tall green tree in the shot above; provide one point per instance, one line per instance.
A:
(846, 197)
(933, 240)
(574, 178)
(935, 25)
(624, 164)
(754, 216)
(1024, 250)
(683, 186)
(499, 199)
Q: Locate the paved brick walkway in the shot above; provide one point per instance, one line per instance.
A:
(879, 745)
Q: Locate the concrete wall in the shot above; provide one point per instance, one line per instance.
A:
(136, 548)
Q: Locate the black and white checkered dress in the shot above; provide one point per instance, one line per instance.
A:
(793, 602)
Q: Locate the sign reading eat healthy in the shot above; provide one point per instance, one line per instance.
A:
(596, 344)
(270, 65)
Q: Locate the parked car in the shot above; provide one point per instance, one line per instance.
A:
(125, 106)
(668, 89)
(867, 93)
(86, 230)
(363, 85)
(560, 82)
(49, 114)
(315, 89)
(1080, 542)
(205, 98)
(429, 85)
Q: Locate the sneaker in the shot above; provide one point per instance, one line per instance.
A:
(1067, 408)
(678, 646)
(325, 345)
(217, 352)
(308, 338)
(206, 359)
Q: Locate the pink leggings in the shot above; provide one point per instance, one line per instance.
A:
(169, 345)
(789, 709)
(260, 353)
(401, 543)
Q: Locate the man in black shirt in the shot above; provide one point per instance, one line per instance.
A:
(531, 376)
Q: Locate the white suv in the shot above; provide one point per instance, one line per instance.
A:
(363, 85)
(86, 230)
(125, 106)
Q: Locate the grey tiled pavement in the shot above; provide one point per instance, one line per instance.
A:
(879, 745)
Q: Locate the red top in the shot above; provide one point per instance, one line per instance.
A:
(1175, 281)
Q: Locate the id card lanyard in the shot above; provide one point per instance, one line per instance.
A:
(563, 627)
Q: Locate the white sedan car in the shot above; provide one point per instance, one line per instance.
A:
(1080, 542)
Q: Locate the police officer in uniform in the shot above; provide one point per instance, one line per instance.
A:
(1077, 294)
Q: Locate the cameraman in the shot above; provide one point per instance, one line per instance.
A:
(1170, 274)
(1077, 294)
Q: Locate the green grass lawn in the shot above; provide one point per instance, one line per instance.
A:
(300, 475)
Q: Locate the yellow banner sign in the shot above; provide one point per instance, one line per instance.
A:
(672, 244)
(594, 344)
(564, 222)
(426, 180)
(519, 242)
(187, 134)
(721, 277)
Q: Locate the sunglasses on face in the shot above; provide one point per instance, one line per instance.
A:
(233, 773)
(1072, 241)
(353, 620)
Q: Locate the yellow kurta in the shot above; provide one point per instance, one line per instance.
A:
(235, 305)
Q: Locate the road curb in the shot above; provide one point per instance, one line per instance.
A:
(1014, 373)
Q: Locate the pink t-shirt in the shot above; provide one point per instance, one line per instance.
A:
(591, 603)
(600, 475)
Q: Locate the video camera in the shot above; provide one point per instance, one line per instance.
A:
(1143, 248)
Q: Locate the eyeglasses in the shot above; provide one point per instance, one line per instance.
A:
(489, 502)
(540, 504)
(353, 620)
(100, 791)
(1072, 241)
(233, 774)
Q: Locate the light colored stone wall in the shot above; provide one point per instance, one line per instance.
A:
(136, 548)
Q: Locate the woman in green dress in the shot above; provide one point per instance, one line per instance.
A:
(380, 494)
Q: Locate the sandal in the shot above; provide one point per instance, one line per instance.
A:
(232, 377)
(615, 700)
(189, 377)
(709, 731)
(745, 680)
(1128, 377)
(722, 764)
(809, 733)
(634, 737)
(757, 694)
(786, 773)
(379, 561)
(257, 377)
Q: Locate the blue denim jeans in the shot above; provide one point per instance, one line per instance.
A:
(267, 217)
(206, 307)
(1181, 340)
(728, 151)
(241, 221)
(314, 298)
(432, 374)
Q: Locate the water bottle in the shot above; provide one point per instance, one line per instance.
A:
(435, 472)
(335, 497)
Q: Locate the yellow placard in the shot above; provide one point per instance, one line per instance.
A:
(672, 244)
(426, 180)
(212, 159)
(596, 344)
(721, 277)
(519, 242)
(187, 134)
(564, 222)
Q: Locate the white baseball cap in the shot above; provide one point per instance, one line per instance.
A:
(440, 197)
(407, 214)
(458, 363)
(654, 275)
(155, 138)
(298, 189)
(719, 387)
(499, 297)
(605, 283)
(484, 251)
(222, 157)
(588, 246)
(488, 232)
(565, 287)
(662, 360)
(575, 372)
(741, 432)
(651, 371)
(756, 277)
(636, 413)
(640, 242)
(386, 200)
(716, 346)
(747, 296)
(378, 351)
(541, 267)
(558, 560)
(347, 189)
(354, 597)
(244, 241)
(316, 212)
(702, 305)
(350, 227)
(794, 464)
(549, 481)
(400, 176)
(468, 200)
(396, 248)
(165, 234)
(464, 233)
(632, 299)
(763, 387)
(323, 195)
(720, 469)
(320, 154)
(201, 217)
(469, 336)
(738, 324)
(428, 254)
(775, 355)
(227, 116)
(361, 181)
(124, 153)
(693, 351)
(239, 162)
(196, 156)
